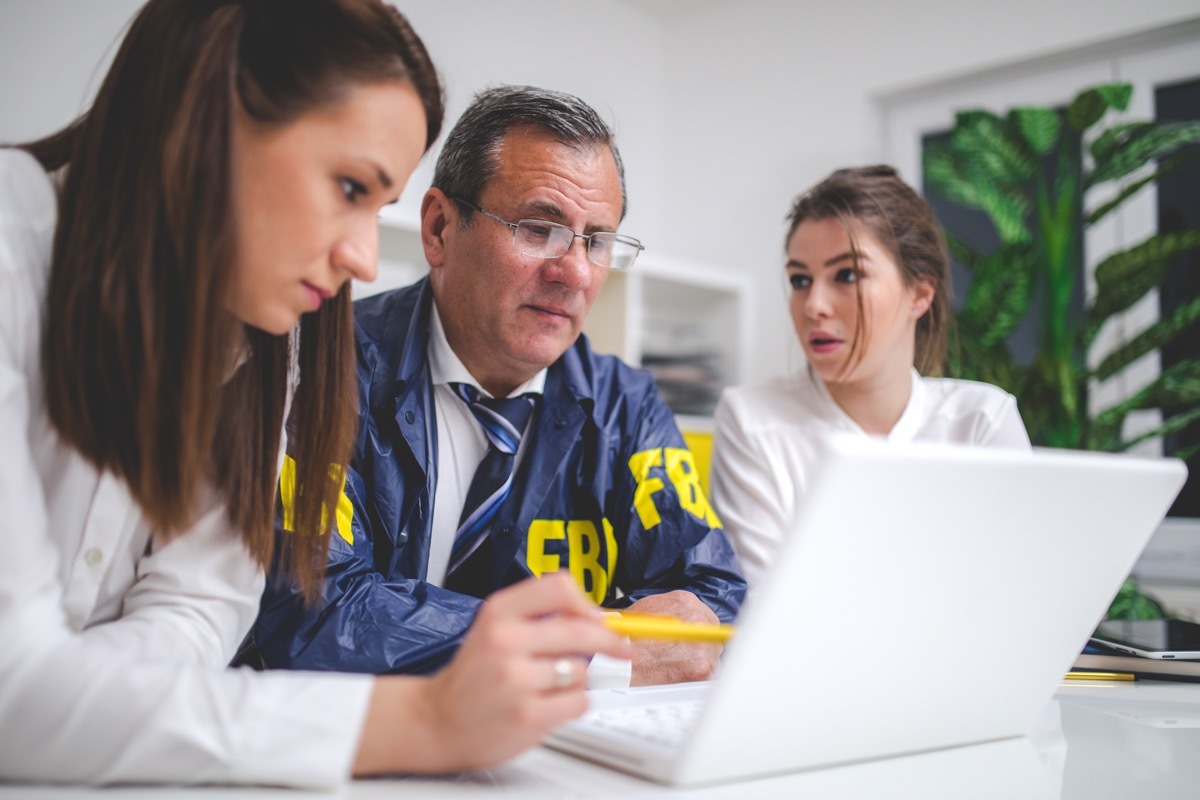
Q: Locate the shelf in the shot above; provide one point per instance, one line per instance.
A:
(685, 322)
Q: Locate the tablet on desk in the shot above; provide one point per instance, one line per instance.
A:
(1151, 638)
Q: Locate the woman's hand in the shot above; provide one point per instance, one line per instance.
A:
(520, 672)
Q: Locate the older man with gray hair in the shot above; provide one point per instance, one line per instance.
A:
(495, 445)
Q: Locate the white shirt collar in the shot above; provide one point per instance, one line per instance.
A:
(446, 367)
(905, 427)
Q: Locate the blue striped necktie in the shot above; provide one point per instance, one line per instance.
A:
(504, 421)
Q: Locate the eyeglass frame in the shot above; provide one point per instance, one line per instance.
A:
(587, 237)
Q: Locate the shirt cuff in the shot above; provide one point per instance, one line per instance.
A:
(606, 672)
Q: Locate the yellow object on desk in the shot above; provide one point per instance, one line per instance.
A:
(1080, 675)
(651, 626)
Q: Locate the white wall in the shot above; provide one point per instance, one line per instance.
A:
(565, 46)
(725, 110)
(53, 54)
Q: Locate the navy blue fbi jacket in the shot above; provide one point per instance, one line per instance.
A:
(607, 489)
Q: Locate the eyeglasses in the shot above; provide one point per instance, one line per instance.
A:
(542, 239)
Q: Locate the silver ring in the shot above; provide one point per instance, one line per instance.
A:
(564, 673)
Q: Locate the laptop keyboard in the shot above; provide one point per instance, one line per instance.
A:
(665, 723)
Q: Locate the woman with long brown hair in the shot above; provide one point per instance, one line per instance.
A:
(869, 277)
(174, 278)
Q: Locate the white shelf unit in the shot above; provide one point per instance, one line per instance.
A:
(675, 316)
(663, 309)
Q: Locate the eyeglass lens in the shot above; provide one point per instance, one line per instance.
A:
(550, 240)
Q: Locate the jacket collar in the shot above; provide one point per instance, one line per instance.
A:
(392, 333)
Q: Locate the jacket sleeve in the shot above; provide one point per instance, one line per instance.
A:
(367, 621)
(669, 536)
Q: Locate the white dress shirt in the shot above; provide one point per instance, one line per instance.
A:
(461, 445)
(113, 642)
(767, 441)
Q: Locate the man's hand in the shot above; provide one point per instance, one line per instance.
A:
(657, 662)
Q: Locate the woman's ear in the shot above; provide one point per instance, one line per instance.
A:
(923, 294)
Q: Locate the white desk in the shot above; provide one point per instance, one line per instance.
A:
(1117, 741)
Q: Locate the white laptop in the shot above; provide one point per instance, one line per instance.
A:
(928, 597)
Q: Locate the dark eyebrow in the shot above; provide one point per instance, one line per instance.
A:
(384, 178)
(837, 260)
(555, 214)
(545, 209)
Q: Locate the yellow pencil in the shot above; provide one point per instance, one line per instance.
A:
(651, 626)
(1100, 676)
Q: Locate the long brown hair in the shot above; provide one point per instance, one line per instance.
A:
(145, 373)
(904, 224)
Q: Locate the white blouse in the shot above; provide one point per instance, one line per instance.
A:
(113, 643)
(767, 441)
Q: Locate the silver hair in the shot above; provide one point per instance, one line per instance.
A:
(468, 158)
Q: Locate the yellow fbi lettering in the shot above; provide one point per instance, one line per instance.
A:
(680, 469)
(287, 496)
(584, 552)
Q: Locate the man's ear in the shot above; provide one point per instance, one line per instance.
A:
(437, 215)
